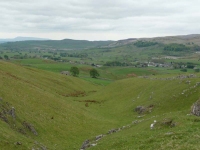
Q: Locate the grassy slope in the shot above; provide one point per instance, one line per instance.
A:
(36, 95)
(169, 103)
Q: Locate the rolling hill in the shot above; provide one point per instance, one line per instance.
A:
(22, 39)
(54, 111)
(180, 39)
(66, 44)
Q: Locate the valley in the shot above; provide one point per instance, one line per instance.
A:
(142, 82)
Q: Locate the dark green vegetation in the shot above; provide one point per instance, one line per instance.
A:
(176, 47)
(144, 43)
(74, 71)
(40, 108)
(94, 73)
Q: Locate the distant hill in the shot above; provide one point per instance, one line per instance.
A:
(22, 39)
(24, 43)
(66, 44)
(180, 39)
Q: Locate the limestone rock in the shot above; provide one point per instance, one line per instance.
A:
(30, 127)
(85, 144)
(18, 143)
(195, 109)
(140, 109)
(65, 73)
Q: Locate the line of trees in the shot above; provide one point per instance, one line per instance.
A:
(176, 47)
(75, 72)
(144, 43)
(78, 55)
(116, 63)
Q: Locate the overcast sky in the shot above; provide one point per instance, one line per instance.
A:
(98, 19)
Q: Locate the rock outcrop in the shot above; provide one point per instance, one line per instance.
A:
(195, 109)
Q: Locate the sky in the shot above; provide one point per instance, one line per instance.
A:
(98, 19)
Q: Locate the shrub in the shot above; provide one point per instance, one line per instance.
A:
(74, 71)
(94, 73)
(184, 70)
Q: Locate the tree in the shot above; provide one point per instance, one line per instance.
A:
(74, 71)
(184, 70)
(94, 73)
(196, 69)
(6, 57)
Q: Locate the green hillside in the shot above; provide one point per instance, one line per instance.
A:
(170, 100)
(65, 111)
(40, 98)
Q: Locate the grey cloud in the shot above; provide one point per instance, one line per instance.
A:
(117, 16)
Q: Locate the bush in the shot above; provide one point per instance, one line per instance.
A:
(196, 69)
(184, 70)
(6, 57)
(190, 65)
(116, 63)
(94, 73)
(74, 71)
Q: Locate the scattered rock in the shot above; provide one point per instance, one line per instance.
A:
(168, 122)
(38, 146)
(98, 137)
(65, 73)
(135, 122)
(198, 83)
(1, 99)
(29, 127)
(94, 144)
(85, 144)
(43, 147)
(169, 133)
(3, 117)
(195, 109)
(112, 131)
(12, 112)
(140, 109)
(152, 125)
(18, 143)
(188, 82)
(123, 127)
(22, 130)
(150, 107)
